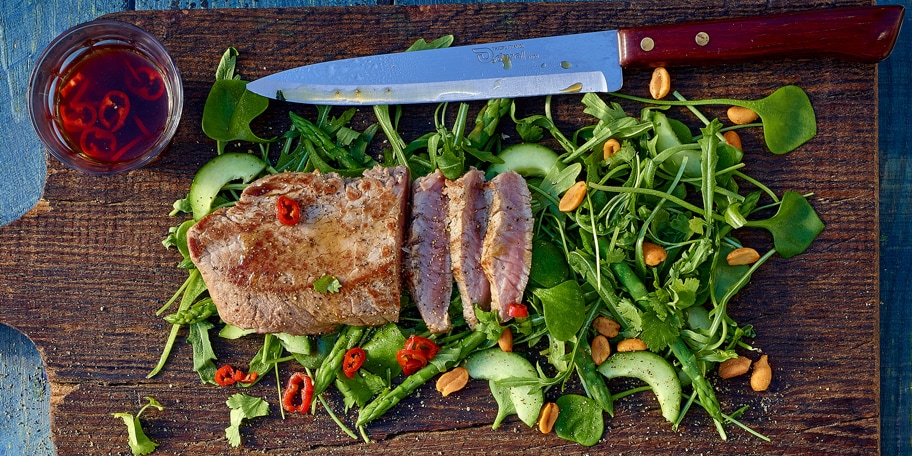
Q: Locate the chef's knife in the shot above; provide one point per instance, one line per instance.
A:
(587, 62)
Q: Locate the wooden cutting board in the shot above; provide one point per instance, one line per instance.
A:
(83, 273)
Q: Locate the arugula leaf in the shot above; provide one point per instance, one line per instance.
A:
(243, 407)
(327, 284)
(264, 360)
(203, 355)
(139, 443)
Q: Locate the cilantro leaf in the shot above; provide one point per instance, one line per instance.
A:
(658, 334)
(243, 407)
(327, 284)
(138, 441)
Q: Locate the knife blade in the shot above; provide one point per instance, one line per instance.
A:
(585, 62)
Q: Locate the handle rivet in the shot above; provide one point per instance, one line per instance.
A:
(647, 44)
(702, 38)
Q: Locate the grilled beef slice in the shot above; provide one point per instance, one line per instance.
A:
(507, 249)
(260, 273)
(467, 211)
(427, 260)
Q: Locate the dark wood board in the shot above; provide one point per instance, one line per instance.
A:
(83, 273)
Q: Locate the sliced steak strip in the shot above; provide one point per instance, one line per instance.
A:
(468, 220)
(260, 273)
(507, 250)
(427, 258)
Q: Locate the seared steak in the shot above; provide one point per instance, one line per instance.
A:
(260, 273)
(427, 259)
(507, 250)
(468, 221)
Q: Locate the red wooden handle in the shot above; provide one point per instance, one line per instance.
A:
(860, 34)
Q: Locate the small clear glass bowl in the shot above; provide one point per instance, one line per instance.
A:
(95, 152)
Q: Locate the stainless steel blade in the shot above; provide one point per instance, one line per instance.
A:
(578, 63)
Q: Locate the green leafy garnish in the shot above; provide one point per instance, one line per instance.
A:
(580, 419)
(138, 441)
(327, 284)
(243, 407)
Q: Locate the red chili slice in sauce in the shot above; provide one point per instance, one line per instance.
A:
(97, 142)
(76, 117)
(298, 393)
(288, 211)
(113, 110)
(145, 82)
(352, 361)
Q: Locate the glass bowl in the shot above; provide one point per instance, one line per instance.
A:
(105, 97)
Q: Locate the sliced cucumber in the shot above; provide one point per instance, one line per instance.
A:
(497, 365)
(219, 171)
(527, 159)
(652, 369)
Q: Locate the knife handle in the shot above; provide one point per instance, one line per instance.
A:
(858, 34)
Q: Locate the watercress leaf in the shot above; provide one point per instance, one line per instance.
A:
(564, 308)
(229, 109)
(788, 118)
(314, 359)
(203, 354)
(580, 419)
(232, 332)
(549, 266)
(381, 351)
(243, 407)
(794, 227)
(295, 344)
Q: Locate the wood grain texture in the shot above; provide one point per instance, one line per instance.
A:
(97, 271)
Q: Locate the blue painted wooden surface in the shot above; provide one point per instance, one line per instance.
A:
(26, 27)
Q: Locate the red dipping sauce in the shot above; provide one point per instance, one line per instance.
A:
(113, 105)
(105, 97)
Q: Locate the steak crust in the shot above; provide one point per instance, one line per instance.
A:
(260, 273)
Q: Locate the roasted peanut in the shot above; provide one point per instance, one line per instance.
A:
(611, 147)
(573, 198)
(734, 367)
(600, 349)
(453, 380)
(606, 327)
(732, 138)
(505, 342)
(660, 84)
(630, 345)
(762, 375)
(653, 254)
(739, 115)
(742, 256)
(547, 417)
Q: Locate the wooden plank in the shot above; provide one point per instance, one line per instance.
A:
(97, 271)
